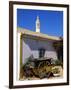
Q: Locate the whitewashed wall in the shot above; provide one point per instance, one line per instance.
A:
(31, 46)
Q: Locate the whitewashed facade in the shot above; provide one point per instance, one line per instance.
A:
(30, 47)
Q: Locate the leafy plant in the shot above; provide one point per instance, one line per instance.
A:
(56, 70)
(57, 62)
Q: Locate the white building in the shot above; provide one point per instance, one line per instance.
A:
(32, 42)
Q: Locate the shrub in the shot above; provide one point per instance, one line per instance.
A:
(57, 62)
(56, 70)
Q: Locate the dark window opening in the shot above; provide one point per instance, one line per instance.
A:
(60, 54)
(41, 52)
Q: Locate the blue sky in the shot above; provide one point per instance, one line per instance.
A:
(51, 22)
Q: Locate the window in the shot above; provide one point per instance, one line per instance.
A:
(41, 52)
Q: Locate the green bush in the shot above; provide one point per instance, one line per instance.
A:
(57, 62)
(56, 70)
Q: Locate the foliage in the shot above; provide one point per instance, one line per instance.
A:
(57, 62)
(28, 63)
(55, 70)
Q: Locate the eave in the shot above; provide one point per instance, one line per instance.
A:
(38, 35)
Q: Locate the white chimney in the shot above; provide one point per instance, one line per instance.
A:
(37, 24)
